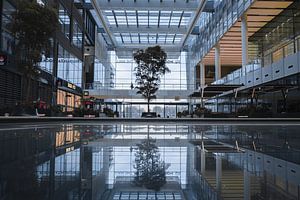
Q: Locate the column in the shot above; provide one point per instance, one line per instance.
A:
(244, 32)
(218, 173)
(202, 74)
(246, 184)
(202, 161)
(217, 62)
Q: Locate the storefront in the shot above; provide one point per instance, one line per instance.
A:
(68, 96)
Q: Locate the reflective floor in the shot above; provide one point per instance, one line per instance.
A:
(106, 161)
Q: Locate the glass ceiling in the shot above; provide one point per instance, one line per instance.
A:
(147, 22)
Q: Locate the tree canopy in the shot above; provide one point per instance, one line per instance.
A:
(151, 65)
(34, 27)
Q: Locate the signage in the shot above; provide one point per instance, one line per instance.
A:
(3, 60)
(71, 86)
(86, 93)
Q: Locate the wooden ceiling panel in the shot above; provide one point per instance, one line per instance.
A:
(259, 11)
(271, 4)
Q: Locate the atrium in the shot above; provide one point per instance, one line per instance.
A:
(149, 99)
(226, 59)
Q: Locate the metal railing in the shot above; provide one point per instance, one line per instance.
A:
(128, 86)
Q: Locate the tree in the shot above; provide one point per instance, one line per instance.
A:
(150, 170)
(151, 65)
(34, 27)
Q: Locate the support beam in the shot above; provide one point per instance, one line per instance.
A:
(202, 74)
(202, 159)
(244, 32)
(102, 20)
(148, 5)
(217, 62)
(194, 21)
(247, 184)
(219, 173)
(150, 29)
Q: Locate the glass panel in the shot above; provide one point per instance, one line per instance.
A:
(64, 20)
(277, 55)
(289, 49)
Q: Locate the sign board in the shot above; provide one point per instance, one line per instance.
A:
(3, 60)
(71, 86)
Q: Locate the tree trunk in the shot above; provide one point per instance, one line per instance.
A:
(148, 105)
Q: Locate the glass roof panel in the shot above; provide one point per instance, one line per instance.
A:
(158, 21)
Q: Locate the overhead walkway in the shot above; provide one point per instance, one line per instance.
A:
(110, 93)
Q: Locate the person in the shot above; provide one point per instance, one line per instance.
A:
(131, 86)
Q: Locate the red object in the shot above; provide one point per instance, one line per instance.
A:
(88, 103)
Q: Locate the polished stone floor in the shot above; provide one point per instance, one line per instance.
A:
(79, 160)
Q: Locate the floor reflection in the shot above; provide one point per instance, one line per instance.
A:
(96, 161)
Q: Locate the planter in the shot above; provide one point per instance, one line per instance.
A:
(149, 114)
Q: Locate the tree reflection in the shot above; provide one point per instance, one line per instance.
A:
(150, 169)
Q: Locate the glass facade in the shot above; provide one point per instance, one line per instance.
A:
(99, 74)
(7, 40)
(69, 67)
(64, 20)
(77, 35)
(175, 80)
(48, 62)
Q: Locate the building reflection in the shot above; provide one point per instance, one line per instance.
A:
(96, 161)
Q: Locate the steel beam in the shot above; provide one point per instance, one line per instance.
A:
(148, 5)
(150, 29)
(101, 18)
(200, 7)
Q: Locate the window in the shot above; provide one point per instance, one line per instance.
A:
(277, 55)
(6, 36)
(99, 75)
(64, 20)
(289, 49)
(69, 67)
(77, 35)
(47, 62)
(267, 60)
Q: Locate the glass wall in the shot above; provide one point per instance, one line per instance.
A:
(99, 74)
(77, 35)
(64, 20)
(7, 42)
(47, 62)
(175, 80)
(69, 67)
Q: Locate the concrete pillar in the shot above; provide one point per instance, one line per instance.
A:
(202, 161)
(244, 32)
(247, 184)
(202, 74)
(218, 173)
(217, 62)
